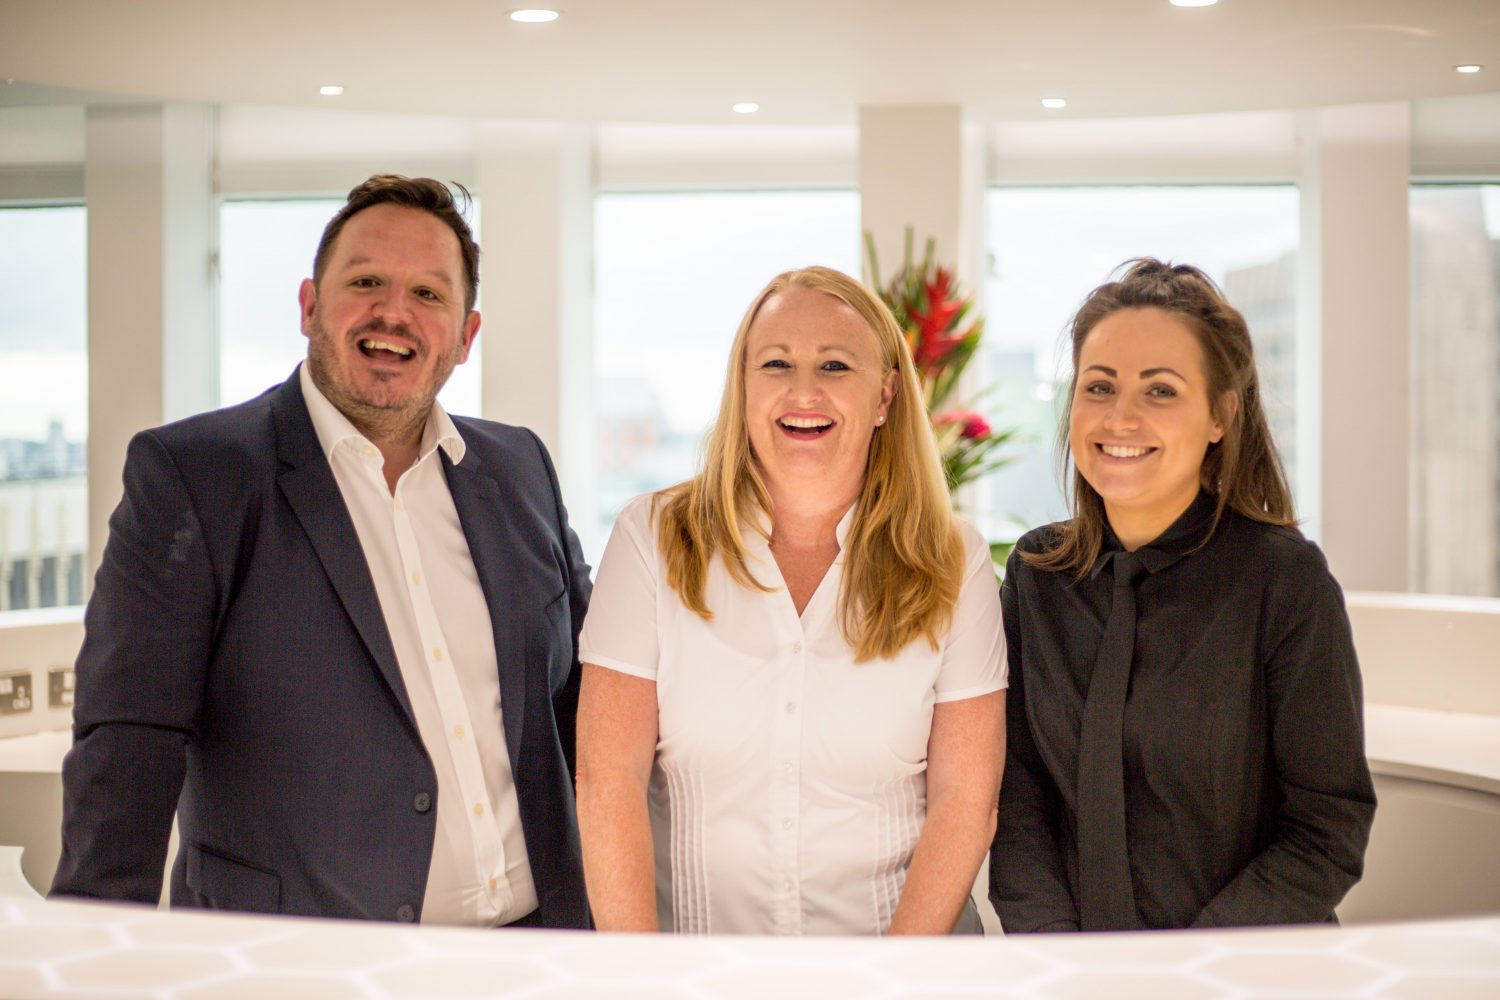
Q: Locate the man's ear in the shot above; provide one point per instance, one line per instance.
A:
(470, 332)
(307, 298)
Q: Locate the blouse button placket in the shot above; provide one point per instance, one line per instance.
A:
(786, 804)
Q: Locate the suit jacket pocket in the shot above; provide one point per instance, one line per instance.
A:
(227, 884)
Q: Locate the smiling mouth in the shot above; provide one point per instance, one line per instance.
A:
(1124, 451)
(805, 428)
(384, 350)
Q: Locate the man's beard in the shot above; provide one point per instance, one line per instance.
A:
(370, 413)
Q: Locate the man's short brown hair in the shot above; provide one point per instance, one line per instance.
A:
(425, 195)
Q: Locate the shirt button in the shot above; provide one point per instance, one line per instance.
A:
(787, 885)
(786, 824)
(405, 913)
(398, 503)
(437, 653)
(369, 452)
(796, 647)
(791, 708)
(458, 732)
(416, 579)
(786, 765)
(479, 809)
(494, 884)
(421, 802)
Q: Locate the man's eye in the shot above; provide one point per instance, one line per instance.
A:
(363, 282)
(428, 293)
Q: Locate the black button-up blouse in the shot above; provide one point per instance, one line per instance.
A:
(1247, 796)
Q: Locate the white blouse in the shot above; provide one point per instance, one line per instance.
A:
(790, 783)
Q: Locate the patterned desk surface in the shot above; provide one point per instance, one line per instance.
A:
(88, 950)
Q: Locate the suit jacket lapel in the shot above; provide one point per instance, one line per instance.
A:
(492, 543)
(313, 493)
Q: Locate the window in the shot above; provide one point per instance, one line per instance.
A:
(674, 273)
(266, 248)
(1455, 309)
(43, 406)
(1048, 247)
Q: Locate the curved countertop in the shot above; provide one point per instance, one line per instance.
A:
(57, 950)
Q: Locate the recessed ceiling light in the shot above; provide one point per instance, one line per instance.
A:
(745, 108)
(1194, 3)
(534, 15)
(331, 90)
(1468, 68)
(1054, 103)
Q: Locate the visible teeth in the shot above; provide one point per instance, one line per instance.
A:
(381, 345)
(806, 423)
(1121, 451)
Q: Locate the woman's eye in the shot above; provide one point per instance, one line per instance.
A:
(835, 366)
(1162, 392)
(775, 363)
(1098, 389)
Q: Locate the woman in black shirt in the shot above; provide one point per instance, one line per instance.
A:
(1185, 730)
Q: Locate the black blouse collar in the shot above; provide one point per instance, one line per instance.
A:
(1185, 534)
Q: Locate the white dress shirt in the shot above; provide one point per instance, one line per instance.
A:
(439, 623)
(790, 783)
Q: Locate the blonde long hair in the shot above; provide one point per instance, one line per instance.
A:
(904, 555)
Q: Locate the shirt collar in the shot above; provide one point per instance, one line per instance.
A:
(334, 428)
(1185, 534)
(755, 528)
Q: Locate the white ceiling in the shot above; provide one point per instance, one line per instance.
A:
(804, 61)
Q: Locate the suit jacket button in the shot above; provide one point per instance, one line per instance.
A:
(421, 802)
(405, 913)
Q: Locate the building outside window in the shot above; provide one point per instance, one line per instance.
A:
(1455, 309)
(1048, 246)
(43, 406)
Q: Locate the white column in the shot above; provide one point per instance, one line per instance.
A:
(153, 320)
(1354, 364)
(912, 173)
(535, 183)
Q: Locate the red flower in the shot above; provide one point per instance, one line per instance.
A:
(934, 340)
(975, 427)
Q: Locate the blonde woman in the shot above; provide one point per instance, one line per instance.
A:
(792, 714)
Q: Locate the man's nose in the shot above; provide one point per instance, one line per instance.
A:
(393, 303)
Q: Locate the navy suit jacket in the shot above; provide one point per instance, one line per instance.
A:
(236, 668)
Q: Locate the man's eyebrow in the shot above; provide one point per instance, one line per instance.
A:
(361, 261)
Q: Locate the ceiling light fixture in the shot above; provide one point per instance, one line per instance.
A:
(1468, 68)
(534, 15)
(1054, 103)
(745, 108)
(1194, 3)
(331, 90)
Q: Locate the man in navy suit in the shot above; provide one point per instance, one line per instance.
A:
(334, 629)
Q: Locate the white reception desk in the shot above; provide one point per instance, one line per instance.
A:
(1432, 685)
(79, 950)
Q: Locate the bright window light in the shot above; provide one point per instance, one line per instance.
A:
(1054, 103)
(534, 15)
(746, 108)
(331, 90)
(1468, 68)
(1194, 3)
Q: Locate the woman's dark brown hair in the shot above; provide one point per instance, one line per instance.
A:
(1242, 471)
